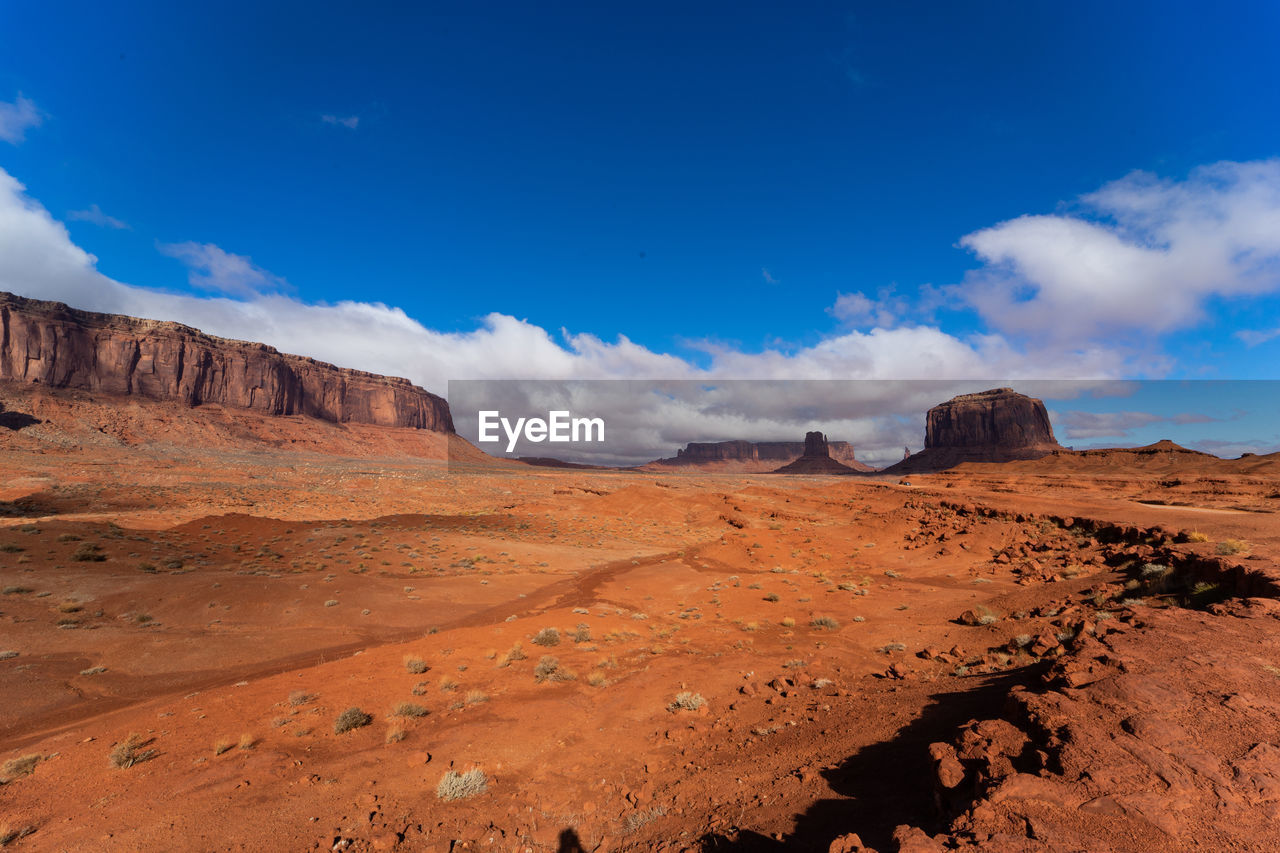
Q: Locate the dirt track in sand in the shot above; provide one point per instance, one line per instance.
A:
(657, 584)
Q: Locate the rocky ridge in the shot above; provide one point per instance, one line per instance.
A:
(53, 345)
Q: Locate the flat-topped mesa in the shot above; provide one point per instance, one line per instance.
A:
(779, 452)
(999, 425)
(716, 451)
(999, 418)
(51, 344)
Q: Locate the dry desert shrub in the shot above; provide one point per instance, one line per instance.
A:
(687, 701)
(247, 741)
(409, 709)
(547, 637)
(1197, 536)
(89, 553)
(516, 653)
(352, 718)
(415, 665)
(222, 745)
(582, 633)
(300, 697)
(15, 767)
(824, 623)
(460, 786)
(549, 669)
(395, 734)
(1233, 546)
(476, 697)
(130, 752)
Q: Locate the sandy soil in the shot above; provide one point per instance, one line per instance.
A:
(1003, 657)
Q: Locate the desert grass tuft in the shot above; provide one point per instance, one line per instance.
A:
(687, 701)
(516, 653)
(130, 752)
(1233, 546)
(460, 786)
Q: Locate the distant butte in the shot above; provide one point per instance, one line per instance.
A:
(758, 456)
(999, 425)
(816, 459)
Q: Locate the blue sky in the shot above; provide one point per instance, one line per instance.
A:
(819, 190)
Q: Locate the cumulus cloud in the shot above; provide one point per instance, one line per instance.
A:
(94, 216)
(1143, 255)
(212, 268)
(1253, 337)
(17, 117)
(858, 309)
(349, 122)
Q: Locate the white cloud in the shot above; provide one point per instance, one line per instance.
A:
(349, 122)
(212, 268)
(1145, 261)
(858, 309)
(17, 117)
(1253, 337)
(768, 276)
(94, 216)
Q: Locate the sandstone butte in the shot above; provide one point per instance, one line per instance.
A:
(816, 458)
(999, 425)
(51, 344)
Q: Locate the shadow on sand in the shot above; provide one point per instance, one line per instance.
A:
(887, 784)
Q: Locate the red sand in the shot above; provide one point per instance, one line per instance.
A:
(1116, 717)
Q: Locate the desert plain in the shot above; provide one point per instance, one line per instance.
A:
(1073, 653)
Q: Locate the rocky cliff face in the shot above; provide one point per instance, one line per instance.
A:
(1000, 418)
(51, 344)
